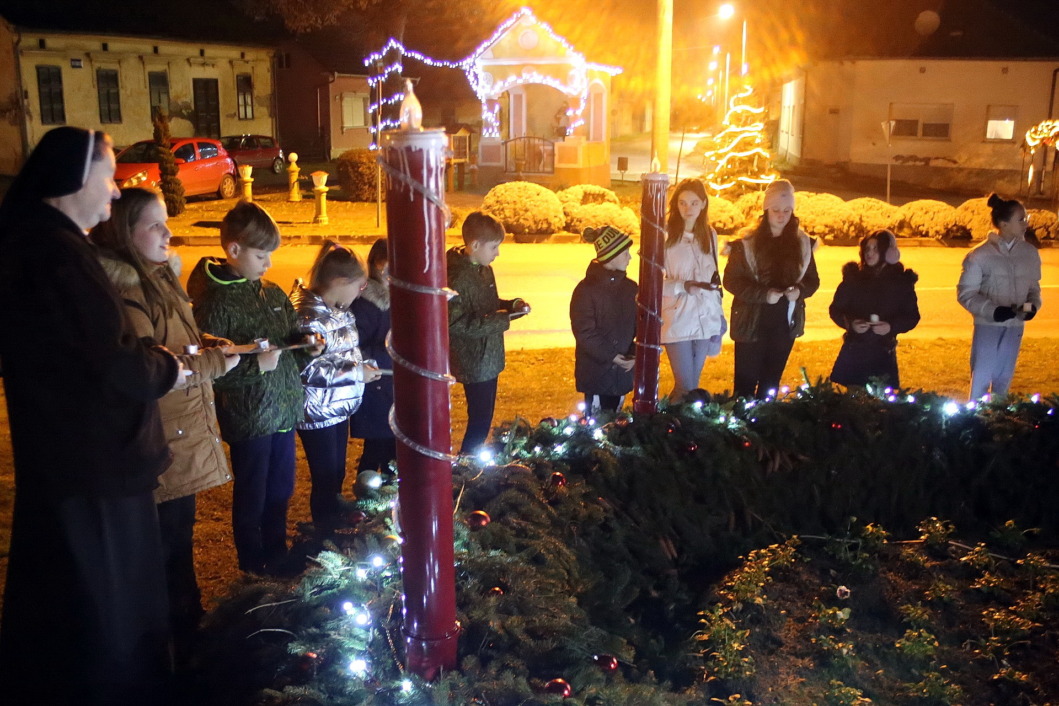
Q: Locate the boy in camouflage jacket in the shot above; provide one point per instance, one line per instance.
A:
(260, 400)
(478, 318)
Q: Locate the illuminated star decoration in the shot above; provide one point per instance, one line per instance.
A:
(1043, 133)
(565, 70)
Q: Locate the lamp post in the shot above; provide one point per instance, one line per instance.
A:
(888, 129)
(663, 86)
(728, 12)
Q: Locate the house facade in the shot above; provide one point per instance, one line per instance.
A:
(114, 83)
(321, 112)
(545, 109)
(946, 123)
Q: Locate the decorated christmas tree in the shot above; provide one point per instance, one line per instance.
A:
(169, 183)
(740, 155)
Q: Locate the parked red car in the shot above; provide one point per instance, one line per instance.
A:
(259, 151)
(203, 166)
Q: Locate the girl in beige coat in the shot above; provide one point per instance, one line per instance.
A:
(134, 250)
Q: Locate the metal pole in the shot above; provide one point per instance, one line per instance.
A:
(727, 77)
(743, 68)
(420, 419)
(649, 295)
(663, 86)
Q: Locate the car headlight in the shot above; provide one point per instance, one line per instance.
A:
(135, 180)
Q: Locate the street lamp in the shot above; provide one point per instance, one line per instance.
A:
(727, 12)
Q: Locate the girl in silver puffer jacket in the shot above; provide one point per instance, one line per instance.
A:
(333, 381)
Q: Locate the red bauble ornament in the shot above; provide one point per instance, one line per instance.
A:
(549, 422)
(691, 447)
(307, 662)
(478, 519)
(559, 687)
(607, 663)
(622, 421)
(583, 421)
(356, 516)
(558, 480)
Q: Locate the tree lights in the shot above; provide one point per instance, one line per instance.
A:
(740, 158)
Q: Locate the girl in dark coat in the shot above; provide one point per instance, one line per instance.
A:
(372, 309)
(603, 318)
(771, 272)
(875, 301)
(85, 611)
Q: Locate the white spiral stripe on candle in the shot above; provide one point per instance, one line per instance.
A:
(404, 176)
(409, 365)
(421, 288)
(414, 445)
(655, 264)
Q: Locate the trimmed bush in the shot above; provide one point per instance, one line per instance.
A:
(824, 215)
(752, 206)
(594, 215)
(356, 174)
(868, 215)
(579, 207)
(525, 208)
(976, 217)
(724, 216)
(584, 194)
(1044, 223)
(927, 218)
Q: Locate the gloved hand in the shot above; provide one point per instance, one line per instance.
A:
(1003, 313)
(1027, 315)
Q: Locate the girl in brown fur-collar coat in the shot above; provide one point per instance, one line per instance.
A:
(133, 247)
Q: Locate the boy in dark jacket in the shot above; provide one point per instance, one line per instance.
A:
(260, 400)
(603, 319)
(478, 318)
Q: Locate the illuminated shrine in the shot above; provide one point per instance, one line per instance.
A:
(544, 106)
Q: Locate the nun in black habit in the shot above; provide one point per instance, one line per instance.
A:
(85, 611)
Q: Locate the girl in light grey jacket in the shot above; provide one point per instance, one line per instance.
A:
(333, 381)
(1001, 286)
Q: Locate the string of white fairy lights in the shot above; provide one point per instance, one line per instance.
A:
(656, 191)
(575, 85)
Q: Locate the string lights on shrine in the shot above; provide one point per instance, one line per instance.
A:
(486, 88)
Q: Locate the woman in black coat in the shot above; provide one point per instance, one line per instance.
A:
(85, 612)
(875, 301)
(603, 319)
(372, 311)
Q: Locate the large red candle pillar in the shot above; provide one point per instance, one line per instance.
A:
(649, 295)
(415, 165)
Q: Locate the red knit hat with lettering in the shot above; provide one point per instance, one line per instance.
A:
(609, 241)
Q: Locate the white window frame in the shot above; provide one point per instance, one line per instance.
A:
(927, 117)
(1000, 122)
(355, 110)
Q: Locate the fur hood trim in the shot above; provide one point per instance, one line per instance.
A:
(852, 271)
(122, 274)
(378, 293)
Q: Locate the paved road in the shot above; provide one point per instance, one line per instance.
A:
(545, 275)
